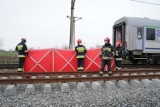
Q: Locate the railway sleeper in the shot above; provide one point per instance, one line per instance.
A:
(11, 90)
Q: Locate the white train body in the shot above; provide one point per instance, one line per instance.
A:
(140, 38)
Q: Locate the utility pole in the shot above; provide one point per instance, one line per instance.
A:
(73, 34)
(71, 24)
(75, 19)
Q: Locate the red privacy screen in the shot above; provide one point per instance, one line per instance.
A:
(60, 60)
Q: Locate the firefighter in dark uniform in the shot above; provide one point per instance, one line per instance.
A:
(22, 52)
(80, 54)
(118, 55)
(105, 56)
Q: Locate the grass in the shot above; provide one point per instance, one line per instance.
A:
(8, 57)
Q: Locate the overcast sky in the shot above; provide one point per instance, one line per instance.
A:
(44, 24)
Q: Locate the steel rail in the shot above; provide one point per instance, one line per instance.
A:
(10, 66)
(5, 66)
(81, 73)
(76, 79)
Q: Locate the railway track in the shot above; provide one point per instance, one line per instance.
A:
(64, 77)
(8, 66)
(15, 84)
(77, 79)
(13, 66)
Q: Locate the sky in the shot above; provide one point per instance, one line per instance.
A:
(44, 23)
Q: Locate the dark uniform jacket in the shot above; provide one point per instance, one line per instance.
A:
(106, 51)
(118, 53)
(22, 50)
(81, 51)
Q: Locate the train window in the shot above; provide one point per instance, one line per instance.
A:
(150, 34)
(139, 33)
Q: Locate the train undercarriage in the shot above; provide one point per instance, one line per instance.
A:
(143, 58)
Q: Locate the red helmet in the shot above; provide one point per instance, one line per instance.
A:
(107, 39)
(118, 43)
(79, 41)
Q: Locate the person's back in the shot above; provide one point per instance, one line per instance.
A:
(80, 54)
(80, 50)
(21, 48)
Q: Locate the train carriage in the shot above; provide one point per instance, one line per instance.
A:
(140, 38)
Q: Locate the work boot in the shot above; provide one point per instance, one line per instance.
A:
(110, 73)
(119, 68)
(101, 73)
(79, 69)
(20, 70)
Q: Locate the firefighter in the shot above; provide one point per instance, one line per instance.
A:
(105, 56)
(22, 53)
(80, 54)
(118, 55)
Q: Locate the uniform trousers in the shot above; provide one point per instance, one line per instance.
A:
(104, 62)
(118, 63)
(80, 62)
(21, 64)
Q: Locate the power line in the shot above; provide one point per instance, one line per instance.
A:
(145, 2)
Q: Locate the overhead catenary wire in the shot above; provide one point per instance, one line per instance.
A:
(145, 2)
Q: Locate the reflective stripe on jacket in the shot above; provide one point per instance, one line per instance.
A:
(106, 51)
(22, 50)
(80, 51)
(118, 51)
(118, 59)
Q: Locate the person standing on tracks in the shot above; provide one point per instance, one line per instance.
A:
(80, 54)
(105, 56)
(21, 48)
(118, 55)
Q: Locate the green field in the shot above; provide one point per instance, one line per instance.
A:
(8, 57)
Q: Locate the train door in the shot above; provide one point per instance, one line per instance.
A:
(119, 34)
(151, 40)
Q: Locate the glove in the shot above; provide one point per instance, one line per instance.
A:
(113, 55)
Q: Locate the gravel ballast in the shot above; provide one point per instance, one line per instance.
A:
(131, 97)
